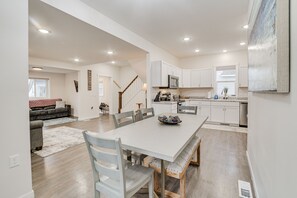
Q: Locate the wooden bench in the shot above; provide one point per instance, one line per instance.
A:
(178, 168)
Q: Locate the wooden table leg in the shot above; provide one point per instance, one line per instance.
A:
(162, 179)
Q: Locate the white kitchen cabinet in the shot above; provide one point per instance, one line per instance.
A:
(203, 107)
(164, 107)
(243, 77)
(201, 78)
(232, 115)
(186, 78)
(217, 114)
(225, 112)
(206, 77)
(195, 78)
(160, 71)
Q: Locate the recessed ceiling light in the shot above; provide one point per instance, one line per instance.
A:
(76, 60)
(225, 51)
(112, 62)
(197, 50)
(44, 31)
(37, 68)
(110, 52)
(187, 39)
(242, 43)
(245, 26)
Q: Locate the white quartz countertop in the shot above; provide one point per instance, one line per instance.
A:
(165, 102)
(219, 100)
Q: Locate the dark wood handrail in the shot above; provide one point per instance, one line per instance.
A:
(122, 92)
(130, 84)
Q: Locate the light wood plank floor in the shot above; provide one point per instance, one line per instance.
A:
(68, 174)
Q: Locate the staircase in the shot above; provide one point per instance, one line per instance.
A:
(131, 95)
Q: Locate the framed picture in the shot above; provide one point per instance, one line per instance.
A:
(76, 85)
(269, 46)
(89, 80)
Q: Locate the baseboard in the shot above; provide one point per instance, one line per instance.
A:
(28, 195)
(252, 175)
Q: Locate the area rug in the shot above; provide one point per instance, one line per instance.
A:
(58, 121)
(59, 139)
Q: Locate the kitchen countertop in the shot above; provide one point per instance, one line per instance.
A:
(165, 102)
(220, 100)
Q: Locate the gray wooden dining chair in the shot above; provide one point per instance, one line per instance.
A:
(123, 119)
(187, 110)
(147, 113)
(111, 177)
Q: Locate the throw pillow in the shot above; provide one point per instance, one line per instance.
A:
(60, 104)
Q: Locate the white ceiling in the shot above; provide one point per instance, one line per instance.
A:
(71, 38)
(212, 25)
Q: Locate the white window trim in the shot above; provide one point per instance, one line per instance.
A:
(47, 90)
(236, 79)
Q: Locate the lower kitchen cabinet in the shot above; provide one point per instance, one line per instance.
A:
(225, 112)
(164, 107)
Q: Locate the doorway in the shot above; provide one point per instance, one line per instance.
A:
(105, 95)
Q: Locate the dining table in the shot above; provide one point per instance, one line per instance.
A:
(156, 139)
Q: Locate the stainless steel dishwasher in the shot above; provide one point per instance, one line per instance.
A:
(243, 114)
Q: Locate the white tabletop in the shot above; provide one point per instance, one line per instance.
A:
(158, 140)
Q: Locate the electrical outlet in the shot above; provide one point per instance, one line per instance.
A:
(14, 160)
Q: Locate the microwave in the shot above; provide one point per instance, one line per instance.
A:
(173, 82)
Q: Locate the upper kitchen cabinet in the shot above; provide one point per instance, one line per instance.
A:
(243, 77)
(186, 78)
(160, 71)
(201, 78)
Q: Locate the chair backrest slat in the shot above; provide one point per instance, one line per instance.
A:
(112, 173)
(104, 143)
(108, 157)
(123, 119)
(107, 160)
(187, 110)
(147, 113)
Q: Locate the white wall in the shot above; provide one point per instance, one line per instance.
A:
(14, 116)
(71, 94)
(238, 58)
(272, 136)
(127, 74)
(89, 99)
(56, 83)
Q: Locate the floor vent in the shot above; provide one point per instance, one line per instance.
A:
(244, 189)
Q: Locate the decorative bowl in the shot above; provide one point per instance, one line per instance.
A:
(171, 120)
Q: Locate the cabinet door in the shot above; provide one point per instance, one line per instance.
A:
(195, 78)
(232, 115)
(165, 68)
(243, 77)
(162, 108)
(186, 79)
(206, 78)
(204, 111)
(217, 114)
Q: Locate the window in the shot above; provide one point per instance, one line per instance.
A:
(101, 89)
(226, 78)
(38, 88)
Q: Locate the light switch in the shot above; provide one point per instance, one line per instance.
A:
(14, 160)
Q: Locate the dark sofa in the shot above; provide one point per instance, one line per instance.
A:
(46, 109)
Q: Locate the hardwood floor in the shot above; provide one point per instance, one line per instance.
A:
(68, 173)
